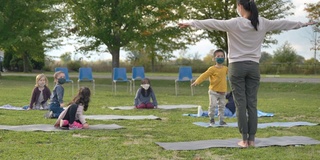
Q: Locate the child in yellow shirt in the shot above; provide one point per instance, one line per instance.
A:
(217, 75)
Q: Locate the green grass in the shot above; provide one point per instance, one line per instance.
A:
(288, 101)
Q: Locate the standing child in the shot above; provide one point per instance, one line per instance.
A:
(40, 94)
(143, 96)
(56, 105)
(217, 75)
(73, 116)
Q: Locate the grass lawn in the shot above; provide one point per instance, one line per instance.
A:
(288, 101)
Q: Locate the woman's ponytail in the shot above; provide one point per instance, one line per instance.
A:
(251, 6)
(254, 14)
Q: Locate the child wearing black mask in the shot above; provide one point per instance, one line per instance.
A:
(217, 75)
(56, 100)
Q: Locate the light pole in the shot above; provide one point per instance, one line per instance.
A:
(315, 48)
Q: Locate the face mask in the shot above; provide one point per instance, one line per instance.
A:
(145, 86)
(41, 84)
(61, 80)
(219, 60)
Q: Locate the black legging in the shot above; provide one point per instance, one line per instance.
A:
(71, 113)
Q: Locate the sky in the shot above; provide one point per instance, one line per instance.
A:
(299, 40)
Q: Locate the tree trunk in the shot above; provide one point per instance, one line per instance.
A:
(26, 65)
(115, 57)
(153, 63)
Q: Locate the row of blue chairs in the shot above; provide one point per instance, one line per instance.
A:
(120, 75)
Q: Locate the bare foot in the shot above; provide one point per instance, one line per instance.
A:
(243, 144)
(251, 144)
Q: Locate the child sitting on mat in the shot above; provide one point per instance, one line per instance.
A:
(143, 96)
(40, 94)
(73, 117)
(56, 100)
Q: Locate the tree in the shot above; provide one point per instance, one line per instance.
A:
(265, 57)
(313, 10)
(26, 27)
(115, 24)
(226, 9)
(286, 55)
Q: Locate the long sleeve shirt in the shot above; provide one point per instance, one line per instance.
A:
(36, 93)
(57, 94)
(244, 42)
(139, 98)
(217, 78)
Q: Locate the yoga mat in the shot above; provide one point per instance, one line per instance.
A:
(232, 143)
(159, 107)
(9, 107)
(120, 117)
(227, 114)
(49, 127)
(260, 125)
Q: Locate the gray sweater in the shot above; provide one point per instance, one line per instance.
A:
(243, 40)
(142, 99)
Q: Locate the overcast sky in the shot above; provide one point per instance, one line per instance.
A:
(299, 39)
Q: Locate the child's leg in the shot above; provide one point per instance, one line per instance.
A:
(212, 103)
(149, 105)
(141, 105)
(221, 106)
(71, 114)
(45, 106)
(56, 109)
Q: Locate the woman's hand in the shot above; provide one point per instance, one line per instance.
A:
(310, 23)
(183, 25)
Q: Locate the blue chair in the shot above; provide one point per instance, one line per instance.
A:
(85, 75)
(137, 74)
(66, 73)
(185, 75)
(120, 75)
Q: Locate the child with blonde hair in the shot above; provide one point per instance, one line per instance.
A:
(40, 94)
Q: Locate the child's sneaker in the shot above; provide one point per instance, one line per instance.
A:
(64, 123)
(222, 123)
(49, 115)
(212, 122)
(75, 125)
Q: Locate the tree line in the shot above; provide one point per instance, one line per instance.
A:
(29, 28)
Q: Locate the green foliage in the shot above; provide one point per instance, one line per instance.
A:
(199, 9)
(28, 26)
(285, 54)
(288, 101)
(74, 65)
(313, 10)
(116, 24)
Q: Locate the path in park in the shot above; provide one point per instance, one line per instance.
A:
(263, 79)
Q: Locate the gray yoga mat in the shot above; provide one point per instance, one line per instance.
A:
(159, 107)
(260, 125)
(9, 107)
(232, 143)
(120, 117)
(49, 127)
